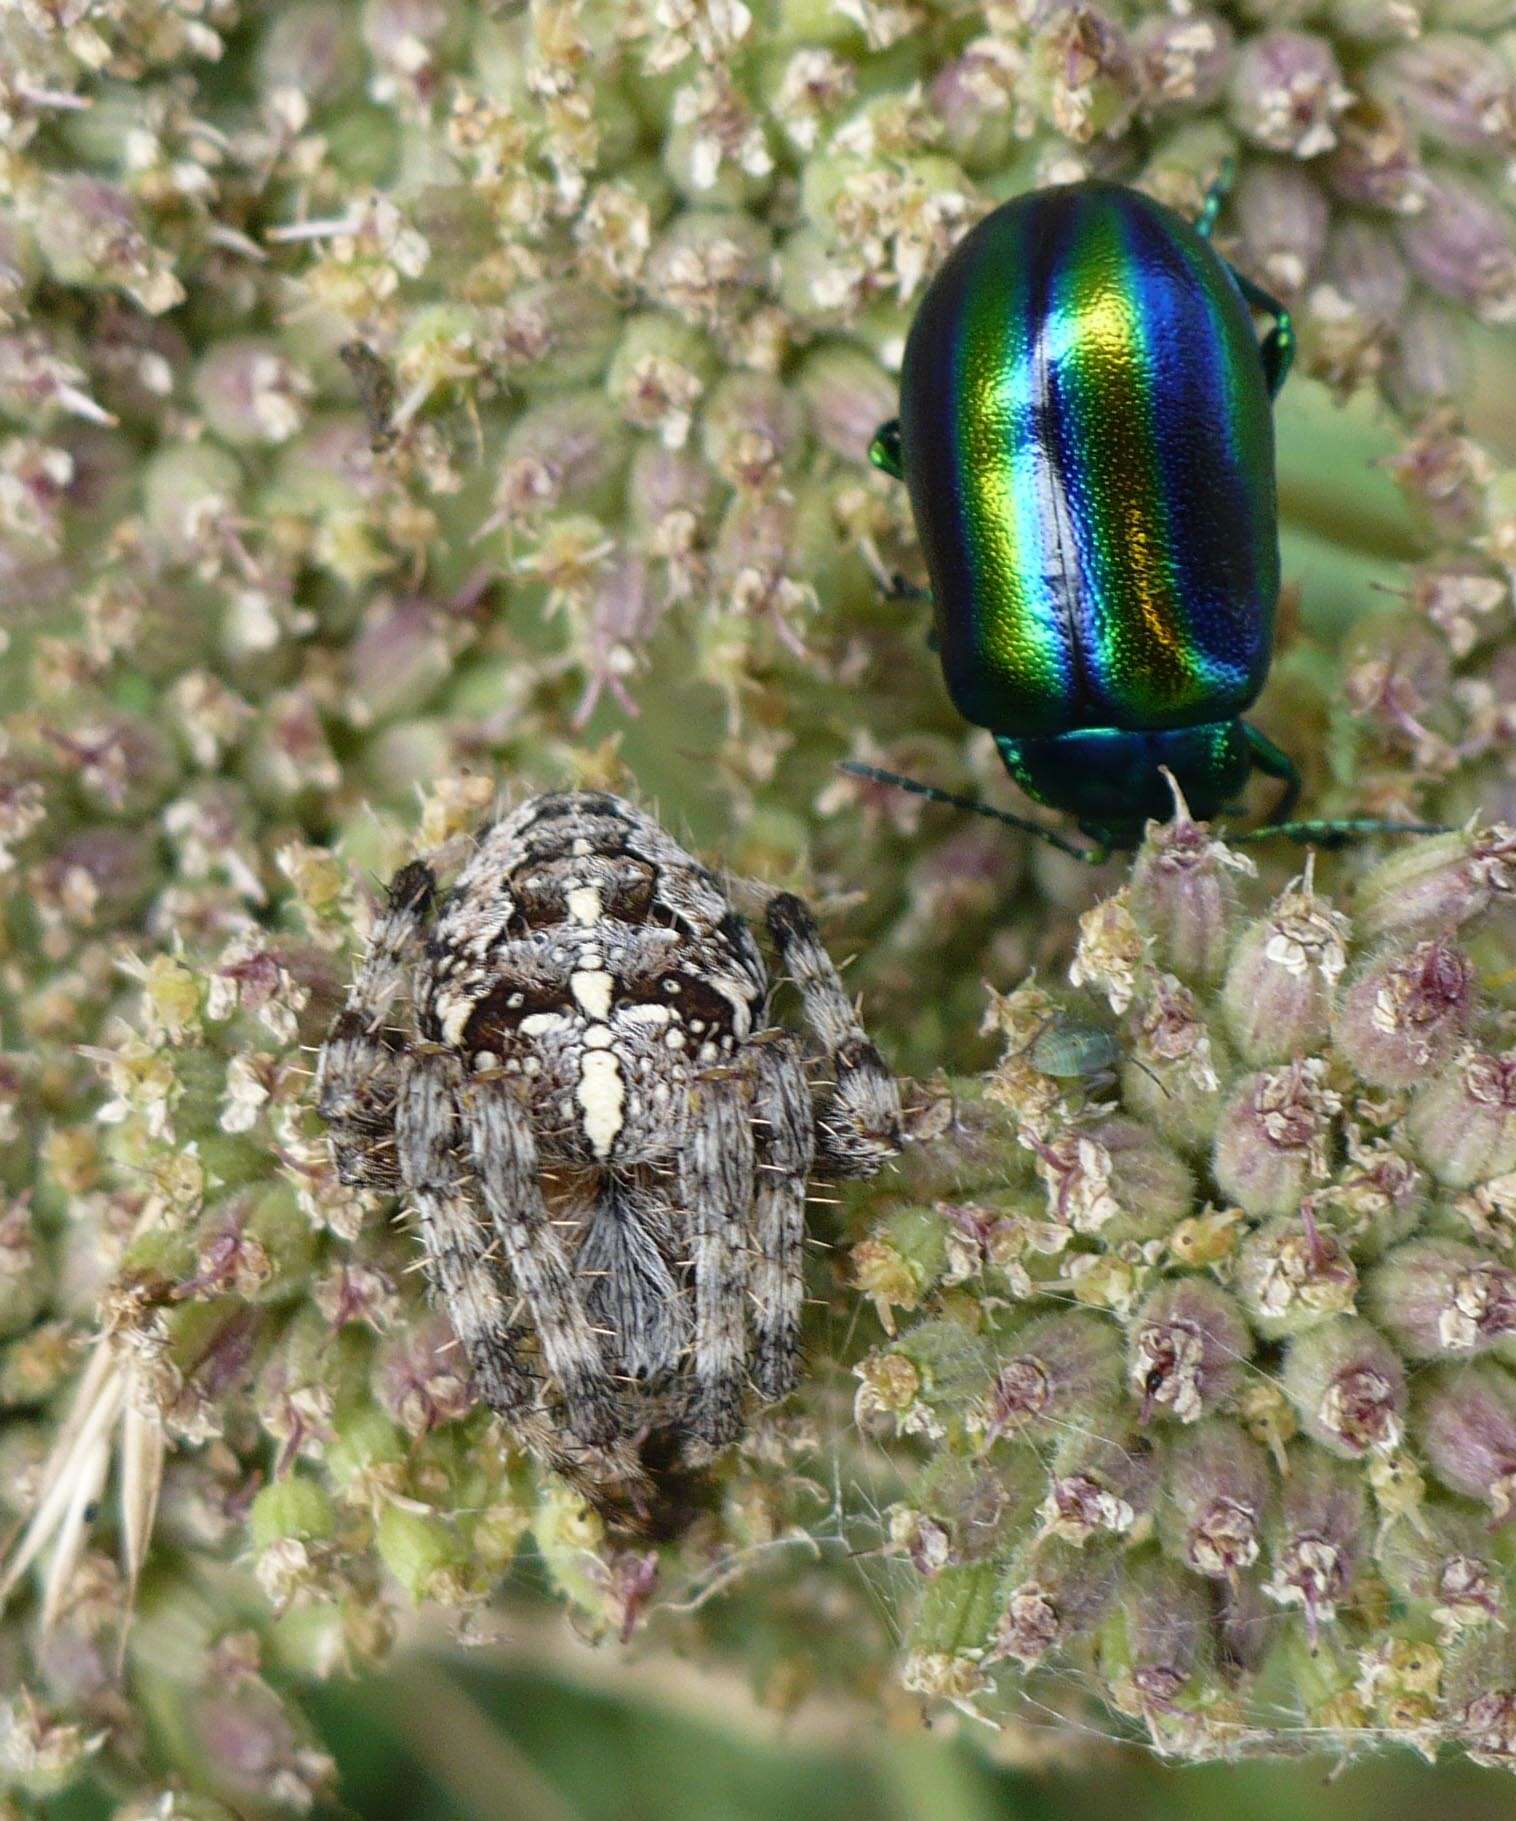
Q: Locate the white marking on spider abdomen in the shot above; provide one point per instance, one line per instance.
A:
(602, 1092)
(591, 988)
(584, 904)
(542, 1024)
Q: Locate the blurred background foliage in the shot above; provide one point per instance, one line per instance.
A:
(603, 1738)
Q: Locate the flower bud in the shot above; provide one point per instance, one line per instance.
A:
(707, 265)
(1082, 74)
(962, 1510)
(1463, 1122)
(899, 1260)
(424, 1553)
(659, 373)
(958, 1611)
(1429, 362)
(23, 1283)
(1157, 1635)
(1445, 477)
(1114, 1179)
(848, 395)
(1183, 898)
(312, 49)
(251, 392)
(1185, 59)
(1287, 92)
(95, 879)
(294, 1507)
(1056, 1593)
(1407, 1013)
(1348, 1385)
(1463, 246)
(1065, 1370)
(662, 482)
(1283, 215)
(1291, 1275)
(568, 453)
(1283, 975)
(1272, 1137)
(1445, 1563)
(87, 232)
(753, 431)
(1215, 1496)
(1463, 1419)
(1377, 161)
(1375, 21)
(187, 489)
(1479, 1693)
(419, 1377)
(1352, 310)
(1363, 266)
(1316, 1540)
(1375, 1200)
(253, 1746)
(1187, 1349)
(1437, 881)
(1457, 91)
(1101, 1482)
(1440, 1299)
(980, 100)
(1173, 1073)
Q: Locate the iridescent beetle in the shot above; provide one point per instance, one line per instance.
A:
(1086, 430)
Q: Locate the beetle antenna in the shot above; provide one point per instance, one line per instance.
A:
(1092, 856)
(1337, 833)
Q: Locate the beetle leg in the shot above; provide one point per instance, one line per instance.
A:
(884, 451)
(1336, 832)
(1278, 349)
(1220, 188)
(1092, 856)
(1274, 762)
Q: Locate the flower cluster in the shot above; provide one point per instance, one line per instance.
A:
(1210, 1356)
(403, 402)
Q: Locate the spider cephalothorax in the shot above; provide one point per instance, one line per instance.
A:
(566, 1065)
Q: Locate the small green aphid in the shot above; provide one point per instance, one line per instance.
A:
(1069, 1049)
(1086, 429)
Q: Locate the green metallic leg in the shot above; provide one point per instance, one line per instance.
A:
(1279, 344)
(1092, 856)
(1278, 348)
(1333, 833)
(1221, 188)
(884, 451)
(1274, 762)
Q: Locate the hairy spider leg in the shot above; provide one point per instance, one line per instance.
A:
(859, 1127)
(783, 1122)
(358, 1072)
(453, 1241)
(504, 1151)
(716, 1171)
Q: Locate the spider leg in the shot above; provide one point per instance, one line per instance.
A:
(456, 1246)
(504, 1151)
(359, 1068)
(786, 1148)
(860, 1127)
(716, 1172)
